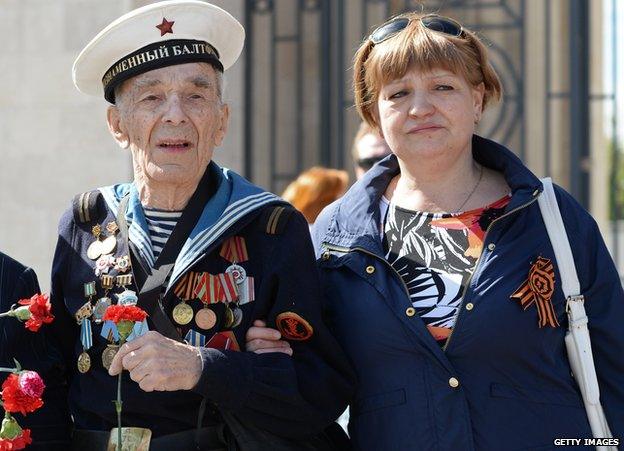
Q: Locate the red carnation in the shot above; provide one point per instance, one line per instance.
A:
(118, 313)
(40, 311)
(15, 400)
(31, 383)
(19, 442)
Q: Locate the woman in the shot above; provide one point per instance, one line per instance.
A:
(426, 264)
(315, 189)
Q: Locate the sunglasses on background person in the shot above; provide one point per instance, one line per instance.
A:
(367, 163)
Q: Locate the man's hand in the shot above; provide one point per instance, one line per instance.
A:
(158, 363)
(261, 339)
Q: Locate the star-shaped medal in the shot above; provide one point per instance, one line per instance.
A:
(165, 27)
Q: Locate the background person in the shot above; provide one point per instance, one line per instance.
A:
(315, 189)
(368, 148)
(440, 278)
(48, 424)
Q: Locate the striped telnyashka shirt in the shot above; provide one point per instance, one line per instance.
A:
(160, 224)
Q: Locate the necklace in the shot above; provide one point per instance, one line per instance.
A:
(458, 209)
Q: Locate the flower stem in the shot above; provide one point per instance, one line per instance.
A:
(118, 408)
(119, 402)
(8, 370)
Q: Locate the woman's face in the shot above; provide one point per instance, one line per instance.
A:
(429, 114)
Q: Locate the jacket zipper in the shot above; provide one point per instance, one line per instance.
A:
(469, 281)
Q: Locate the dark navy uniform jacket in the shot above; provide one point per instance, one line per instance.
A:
(512, 386)
(291, 396)
(48, 430)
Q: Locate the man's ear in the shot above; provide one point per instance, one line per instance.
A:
(113, 118)
(223, 126)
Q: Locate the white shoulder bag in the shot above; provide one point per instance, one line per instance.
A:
(577, 338)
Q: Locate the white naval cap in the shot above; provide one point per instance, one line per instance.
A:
(157, 35)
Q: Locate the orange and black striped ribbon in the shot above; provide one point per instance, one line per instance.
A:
(184, 289)
(538, 289)
(234, 250)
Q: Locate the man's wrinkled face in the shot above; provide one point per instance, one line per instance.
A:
(171, 118)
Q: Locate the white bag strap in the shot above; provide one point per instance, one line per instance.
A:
(559, 240)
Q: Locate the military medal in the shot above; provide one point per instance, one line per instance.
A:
(123, 264)
(95, 249)
(102, 304)
(238, 316)
(83, 312)
(229, 317)
(182, 313)
(127, 297)
(86, 338)
(108, 355)
(238, 272)
(205, 318)
(84, 362)
(103, 264)
(110, 242)
(100, 308)
(123, 280)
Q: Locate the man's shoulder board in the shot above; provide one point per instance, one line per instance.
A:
(85, 206)
(275, 218)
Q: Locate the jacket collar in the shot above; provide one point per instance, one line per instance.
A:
(235, 199)
(356, 218)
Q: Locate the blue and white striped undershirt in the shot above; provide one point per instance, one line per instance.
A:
(160, 224)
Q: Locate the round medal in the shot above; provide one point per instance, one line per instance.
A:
(100, 308)
(84, 362)
(108, 355)
(229, 318)
(238, 272)
(238, 317)
(182, 313)
(95, 250)
(109, 245)
(205, 319)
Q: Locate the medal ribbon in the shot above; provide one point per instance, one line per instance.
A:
(86, 334)
(186, 287)
(194, 338)
(538, 289)
(207, 288)
(228, 290)
(234, 250)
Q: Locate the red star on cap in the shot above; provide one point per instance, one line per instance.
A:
(165, 27)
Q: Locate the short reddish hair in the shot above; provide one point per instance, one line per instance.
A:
(316, 188)
(419, 47)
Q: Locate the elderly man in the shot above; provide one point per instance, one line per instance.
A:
(205, 252)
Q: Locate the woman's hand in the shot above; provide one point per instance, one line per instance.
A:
(261, 339)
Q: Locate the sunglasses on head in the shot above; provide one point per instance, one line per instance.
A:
(431, 22)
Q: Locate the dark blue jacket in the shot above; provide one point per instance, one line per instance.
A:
(515, 387)
(292, 397)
